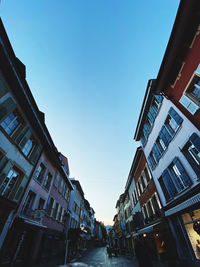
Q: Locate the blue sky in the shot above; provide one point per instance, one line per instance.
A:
(88, 63)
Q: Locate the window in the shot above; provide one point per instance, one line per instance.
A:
(191, 151)
(161, 147)
(64, 189)
(47, 181)
(11, 123)
(174, 179)
(50, 206)
(152, 160)
(191, 97)
(56, 180)
(55, 209)
(144, 211)
(28, 206)
(61, 186)
(147, 174)
(41, 204)
(39, 175)
(167, 132)
(59, 213)
(140, 186)
(151, 116)
(67, 194)
(156, 203)
(138, 189)
(150, 209)
(28, 147)
(9, 182)
(142, 183)
(195, 90)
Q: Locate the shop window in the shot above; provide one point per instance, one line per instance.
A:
(174, 179)
(191, 151)
(47, 181)
(11, 122)
(191, 222)
(39, 175)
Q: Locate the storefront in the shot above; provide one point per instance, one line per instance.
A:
(184, 220)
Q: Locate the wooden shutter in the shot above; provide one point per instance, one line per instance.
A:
(165, 136)
(195, 140)
(21, 188)
(184, 176)
(175, 116)
(6, 108)
(170, 187)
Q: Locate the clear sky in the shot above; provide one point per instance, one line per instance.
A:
(88, 63)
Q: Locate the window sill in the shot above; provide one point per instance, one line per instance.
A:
(179, 194)
(47, 190)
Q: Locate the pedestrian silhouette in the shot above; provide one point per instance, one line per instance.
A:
(143, 253)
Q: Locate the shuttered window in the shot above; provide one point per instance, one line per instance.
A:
(165, 136)
(174, 179)
(192, 152)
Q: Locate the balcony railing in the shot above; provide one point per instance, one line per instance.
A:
(35, 215)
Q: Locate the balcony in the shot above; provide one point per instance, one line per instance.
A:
(33, 215)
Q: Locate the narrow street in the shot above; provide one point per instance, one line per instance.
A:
(98, 257)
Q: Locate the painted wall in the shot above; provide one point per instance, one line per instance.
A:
(192, 61)
(181, 137)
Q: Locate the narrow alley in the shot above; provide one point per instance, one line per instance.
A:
(98, 257)
(100, 133)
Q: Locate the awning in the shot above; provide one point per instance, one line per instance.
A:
(185, 204)
(147, 229)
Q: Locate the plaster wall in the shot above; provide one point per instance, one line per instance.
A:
(173, 150)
